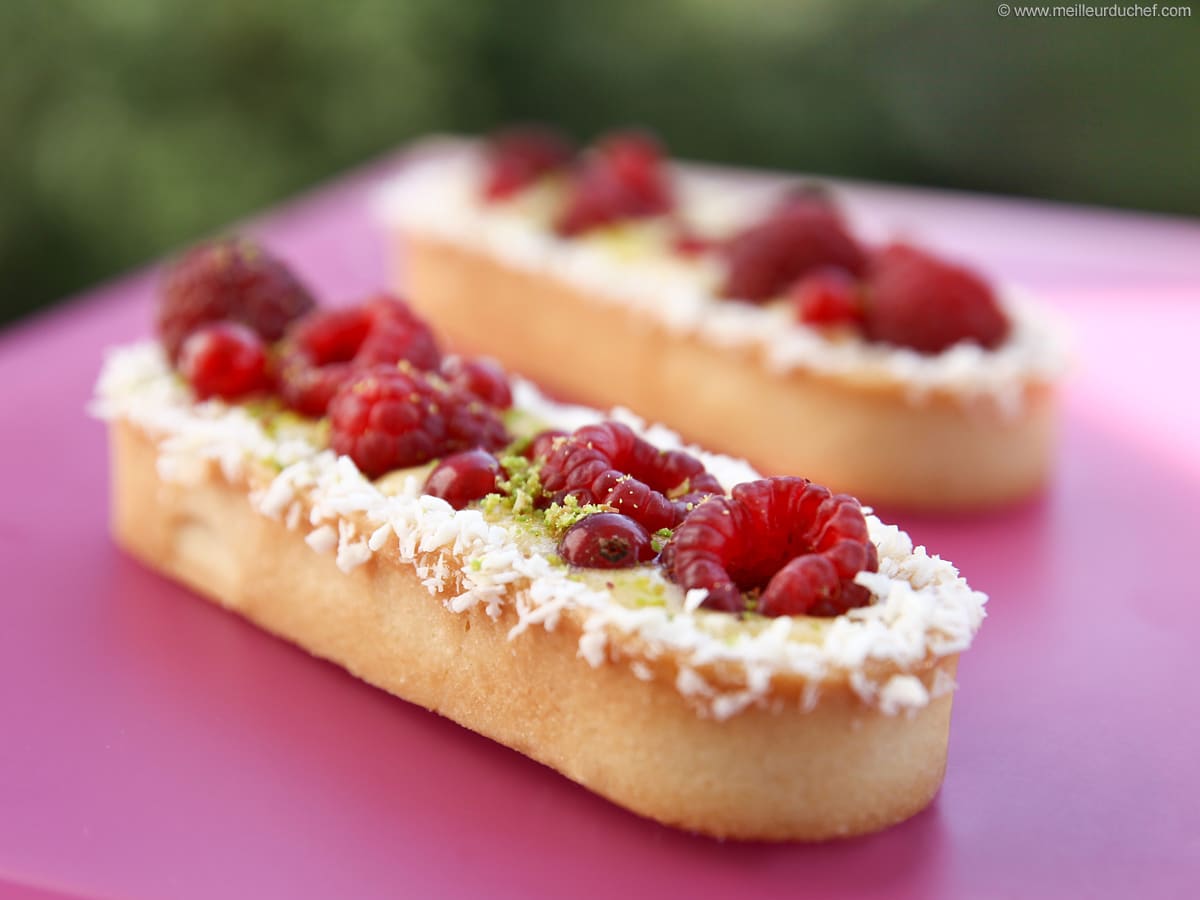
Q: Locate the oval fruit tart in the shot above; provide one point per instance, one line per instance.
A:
(747, 657)
(751, 319)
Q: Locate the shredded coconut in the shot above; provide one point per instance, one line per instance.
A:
(437, 195)
(921, 608)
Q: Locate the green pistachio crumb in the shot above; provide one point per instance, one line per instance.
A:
(561, 516)
(659, 539)
(523, 485)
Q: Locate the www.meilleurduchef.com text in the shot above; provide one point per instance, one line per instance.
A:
(1088, 11)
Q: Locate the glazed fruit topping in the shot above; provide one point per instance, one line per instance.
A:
(609, 464)
(827, 298)
(916, 300)
(788, 544)
(327, 348)
(392, 417)
(229, 279)
(606, 541)
(462, 477)
(804, 233)
(623, 176)
(517, 157)
(224, 359)
(485, 378)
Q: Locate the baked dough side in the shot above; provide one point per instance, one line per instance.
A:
(867, 439)
(767, 773)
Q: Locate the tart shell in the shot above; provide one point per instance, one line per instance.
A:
(867, 438)
(774, 771)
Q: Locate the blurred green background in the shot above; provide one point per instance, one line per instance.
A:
(128, 127)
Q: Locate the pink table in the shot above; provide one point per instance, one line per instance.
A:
(155, 746)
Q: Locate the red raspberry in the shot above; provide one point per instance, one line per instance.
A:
(327, 348)
(485, 378)
(232, 279)
(608, 463)
(916, 300)
(686, 242)
(787, 538)
(827, 297)
(542, 443)
(803, 234)
(392, 417)
(225, 360)
(462, 477)
(606, 541)
(622, 177)
(397, 333)
(517, 157)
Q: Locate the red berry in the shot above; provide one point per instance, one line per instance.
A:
(542, 443)
(462, 477)
(607, 463)
(392, 417)
(396, 333)
(621, 177)
(827, 297)
(224, 359)
(789, 540)
(327, 348)
(606, 541)
(231, 279)
(686, 242)
(484, 378)
(916, 300)
(517, 157)
(800, 236)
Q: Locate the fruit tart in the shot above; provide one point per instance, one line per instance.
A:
(749, 317)
(747, 657)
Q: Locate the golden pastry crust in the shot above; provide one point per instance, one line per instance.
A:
(864, 437)
(772, 772)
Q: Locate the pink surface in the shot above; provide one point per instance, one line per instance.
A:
(154, 745)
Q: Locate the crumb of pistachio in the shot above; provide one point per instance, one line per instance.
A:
(561, 516)
(523, 486)
(659, 539)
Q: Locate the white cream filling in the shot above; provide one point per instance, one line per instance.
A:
(921, 607)
(437, 195)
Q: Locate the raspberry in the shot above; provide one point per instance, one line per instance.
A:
(916, 300)
(392, 417)
(686, 242)
(622, 177)
(225, 360)
(231, 279)
(397, 333)
(462, 477)
(785, 539)
(517, 157)
(606, 541)
(484, 378)
(801, 235)
(327, 348)
(542, 443)
(607, 463)
(827, 297)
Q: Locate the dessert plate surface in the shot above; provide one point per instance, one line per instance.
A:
(153, 745)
